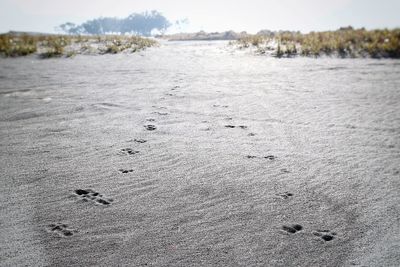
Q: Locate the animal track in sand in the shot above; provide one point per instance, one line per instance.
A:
(125, 171)
(292, 228)
(91, 195)
(220, 106)
(60, 229)
(285, 195)
(233, 126)
(270, 157)
(205, 129)
(160, 113)
(326, 235)
(150, 127)
(158, 107)
(128, 151)
(141, 141)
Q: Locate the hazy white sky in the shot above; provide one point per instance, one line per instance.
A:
(208, 15)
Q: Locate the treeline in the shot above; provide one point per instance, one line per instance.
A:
(136, 23)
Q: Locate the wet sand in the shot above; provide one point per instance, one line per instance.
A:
(192, 154)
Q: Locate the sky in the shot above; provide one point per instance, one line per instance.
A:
(207, 15)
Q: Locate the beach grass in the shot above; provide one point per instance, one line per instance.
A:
(345, 42)
(47, 46)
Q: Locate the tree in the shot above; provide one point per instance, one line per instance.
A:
(136, 23)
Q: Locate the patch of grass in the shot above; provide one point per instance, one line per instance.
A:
(112, 49)
(345, 42)
(251, 40)
(17, 45)
(54, 46)
(47, 46)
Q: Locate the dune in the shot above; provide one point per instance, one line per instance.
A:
(195, 154)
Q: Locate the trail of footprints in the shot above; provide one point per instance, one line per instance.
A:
(89, 195)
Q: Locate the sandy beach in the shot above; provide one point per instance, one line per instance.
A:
(196, 154)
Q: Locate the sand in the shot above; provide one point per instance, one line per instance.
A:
(193, 154)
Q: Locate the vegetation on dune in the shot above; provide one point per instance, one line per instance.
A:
(17, 46)
(345, 42)
(116, 43)
(48, 46)
(53, 46)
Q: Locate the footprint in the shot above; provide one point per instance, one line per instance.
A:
(91, 195)
(128, 151)
(270, 157)
(292, 229)
(150, 127)
(233, 126)
(326, 235)
(159, 107)
(285, 195)
(60, 229)
(141, 141)
(125, 171)
(220, 106)
(160, 113)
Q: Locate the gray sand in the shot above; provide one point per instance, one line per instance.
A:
(318, 147)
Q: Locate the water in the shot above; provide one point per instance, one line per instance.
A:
(243, 146)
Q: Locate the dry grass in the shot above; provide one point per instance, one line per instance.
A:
(346, 42)
(47, 46)
(13, 46)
